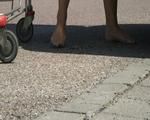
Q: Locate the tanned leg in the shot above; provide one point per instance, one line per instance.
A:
(113, 31)
(59, 35)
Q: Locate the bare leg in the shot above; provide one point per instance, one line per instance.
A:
(59, 35)
(113, 31)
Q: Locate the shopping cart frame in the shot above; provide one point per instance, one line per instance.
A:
(24, 29)
(19, 9)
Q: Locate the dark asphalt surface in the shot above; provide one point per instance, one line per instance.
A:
(86, 22)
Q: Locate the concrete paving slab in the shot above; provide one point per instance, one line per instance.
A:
(130, 108)
(61, 116)
(146, 83)
(131, 75)
(140, 93)
(101, 95)
(79, 108)
(109, 89)
(96, 99)
(103, 116)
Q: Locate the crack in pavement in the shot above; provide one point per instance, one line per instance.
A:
(117, 97)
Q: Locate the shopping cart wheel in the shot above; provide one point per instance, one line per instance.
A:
(24, 35)
(9, 51)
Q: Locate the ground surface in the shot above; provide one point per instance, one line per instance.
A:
(43, 77)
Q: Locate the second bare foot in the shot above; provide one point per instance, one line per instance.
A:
(118, 35)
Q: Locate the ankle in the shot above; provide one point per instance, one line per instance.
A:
(60, 29)
(112, 28)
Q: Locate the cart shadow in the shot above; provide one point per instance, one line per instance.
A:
(90, 40)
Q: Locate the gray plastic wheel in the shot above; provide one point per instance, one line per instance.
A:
(22, 34)
(9, 52)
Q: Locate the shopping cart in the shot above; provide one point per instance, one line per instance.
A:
(24, 29)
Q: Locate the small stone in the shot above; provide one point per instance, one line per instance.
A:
(1, 117)
(89, 115)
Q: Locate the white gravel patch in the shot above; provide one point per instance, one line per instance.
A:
(38, 82)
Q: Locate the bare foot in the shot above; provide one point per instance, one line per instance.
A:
(58, 37)
(119, 36)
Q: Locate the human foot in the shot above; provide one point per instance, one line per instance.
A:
(118, 35)
(58, 37)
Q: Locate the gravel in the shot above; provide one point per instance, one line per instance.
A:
(38, 82)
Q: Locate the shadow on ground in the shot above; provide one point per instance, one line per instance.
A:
(90, 40)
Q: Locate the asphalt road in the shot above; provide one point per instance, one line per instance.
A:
(43, 77)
